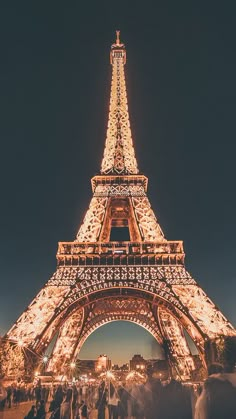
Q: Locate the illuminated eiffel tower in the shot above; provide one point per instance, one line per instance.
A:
(121, 266)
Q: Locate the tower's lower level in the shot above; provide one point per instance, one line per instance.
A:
(142, 282)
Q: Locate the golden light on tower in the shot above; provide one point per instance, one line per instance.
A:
(141, 278)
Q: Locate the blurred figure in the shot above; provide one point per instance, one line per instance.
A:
(32, 413)
(56, 403)
(175, 402)
(9, 396)
(124, 396)
(112, 402)
(218, 397)
(3, 393)
(152, 398)
(101, 402)
(83, 410)
(66, 406)
(137, 401)
(41, 412)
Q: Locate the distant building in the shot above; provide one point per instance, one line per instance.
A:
(124, 367)
(137, 363)
(115, 367)
(159, 367)
(103, 363)
(86, 366)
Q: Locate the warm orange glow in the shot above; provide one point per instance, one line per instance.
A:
(141, 280)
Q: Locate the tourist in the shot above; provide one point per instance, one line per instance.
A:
(137, 401)
(124, 396)
(32, 413)
(66, 406)
(113, 400)
(3, 395)
(56, 403)
(175, 401)
(152, 397)
(101, 402)
(83, 410)
(9, 396)
(41, 412)
(218, 397)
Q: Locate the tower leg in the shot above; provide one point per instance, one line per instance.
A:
(66, 344)
(182, 362)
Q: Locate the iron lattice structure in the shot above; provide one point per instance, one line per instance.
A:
(142, 279)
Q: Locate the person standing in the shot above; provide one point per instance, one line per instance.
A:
(113, 400)
(9, 396)
(32, 413)
(218, 397)
(124, 396)
(3, 395)
(66, 406)
(101, 402)
(83, 410)
(41, 412)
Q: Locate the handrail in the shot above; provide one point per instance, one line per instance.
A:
(126, 247)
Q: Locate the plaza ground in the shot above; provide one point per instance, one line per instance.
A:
(20, 411)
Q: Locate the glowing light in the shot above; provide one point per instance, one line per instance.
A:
(170, 282)
(134, 375)
(20, 343)
(110, 375)
(119, 156)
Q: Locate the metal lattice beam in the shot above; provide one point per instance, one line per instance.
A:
(119, 154)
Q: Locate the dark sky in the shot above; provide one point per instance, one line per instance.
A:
(55, 85)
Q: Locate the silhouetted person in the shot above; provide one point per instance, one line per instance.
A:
(32, 413)
(112, 402)
(41, 412)
(218, 397)
(176, 402)
(101, 402)
(124, 396)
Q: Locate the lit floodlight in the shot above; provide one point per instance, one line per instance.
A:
(110, 375)
(20, 343)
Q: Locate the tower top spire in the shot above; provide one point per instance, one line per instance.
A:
(119, 156)
(117, 37)
(118, 44)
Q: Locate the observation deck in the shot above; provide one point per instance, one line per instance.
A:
(123, 180)
(120, 253)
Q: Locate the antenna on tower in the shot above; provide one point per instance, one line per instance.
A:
(117, 37)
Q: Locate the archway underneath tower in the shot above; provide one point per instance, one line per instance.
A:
(120, 341)
(164, 322)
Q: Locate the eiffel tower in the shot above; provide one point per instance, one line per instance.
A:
(121, 266)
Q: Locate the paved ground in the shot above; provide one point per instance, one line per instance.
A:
(20, 412)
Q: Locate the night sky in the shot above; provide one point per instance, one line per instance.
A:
(55, 86)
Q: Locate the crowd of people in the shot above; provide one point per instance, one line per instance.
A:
(115, 400)
(152, 399)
